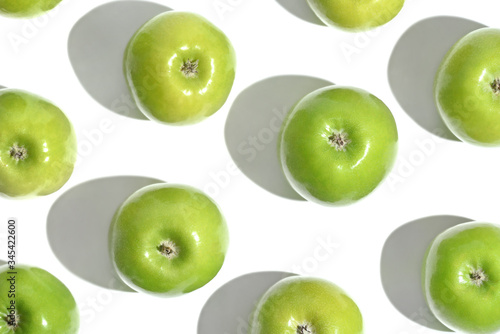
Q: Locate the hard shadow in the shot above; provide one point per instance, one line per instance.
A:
(401, 265)
(228, 310)
(253, 125)
(96, 45)
(413, 65)
(78, 224)
(301, 9)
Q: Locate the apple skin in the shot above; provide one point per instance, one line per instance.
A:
(162, 213)
(47, 136)
(26, 8)
(43, 303)
(317, 170)
(356, 15)
(155, 56)
(463, 88)
(299, 301)
(451, 293)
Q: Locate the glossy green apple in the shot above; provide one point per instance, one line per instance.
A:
(42, 303)
(337, 144)
(37, 145)
(180, 68)
(356, 15)
(467, 88)
(168, 240)
(461, 278)
(26, 8)
(306, 305)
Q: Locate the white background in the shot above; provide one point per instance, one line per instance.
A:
(268, 232)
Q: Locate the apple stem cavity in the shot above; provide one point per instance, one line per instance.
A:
(168, 249)
(305, 329)
(478, 277)
(495, 85)
(339, 140)
(190, 68)
(18, 152)
(12, 321)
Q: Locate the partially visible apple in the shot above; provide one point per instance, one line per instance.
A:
(306, 305)
(26, 8)
(461, 278)
(467, 88)
(37, 145)
(33, 301)
(180, 68)
(337, 144)
(168, 240)
(356, 15)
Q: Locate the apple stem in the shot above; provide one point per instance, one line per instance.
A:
(168, 249)
(18, 152)
(495, 85)
(190, 68)
(339, 140)
(305, 329)
(478, 276)
(12, 321)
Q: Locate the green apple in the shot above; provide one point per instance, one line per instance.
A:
(168, 240)
(33, 301)
(26, 8)
(306, 305)
(337, 144)
(461, 278)
(356, 15)
(467, 88)
(180, 68)
(37, 145)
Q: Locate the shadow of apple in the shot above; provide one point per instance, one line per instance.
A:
(301, 9)
(96, 45)
(253, 125)
(78, 224)
(229, 308)
(401, 266)
(413, 65)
